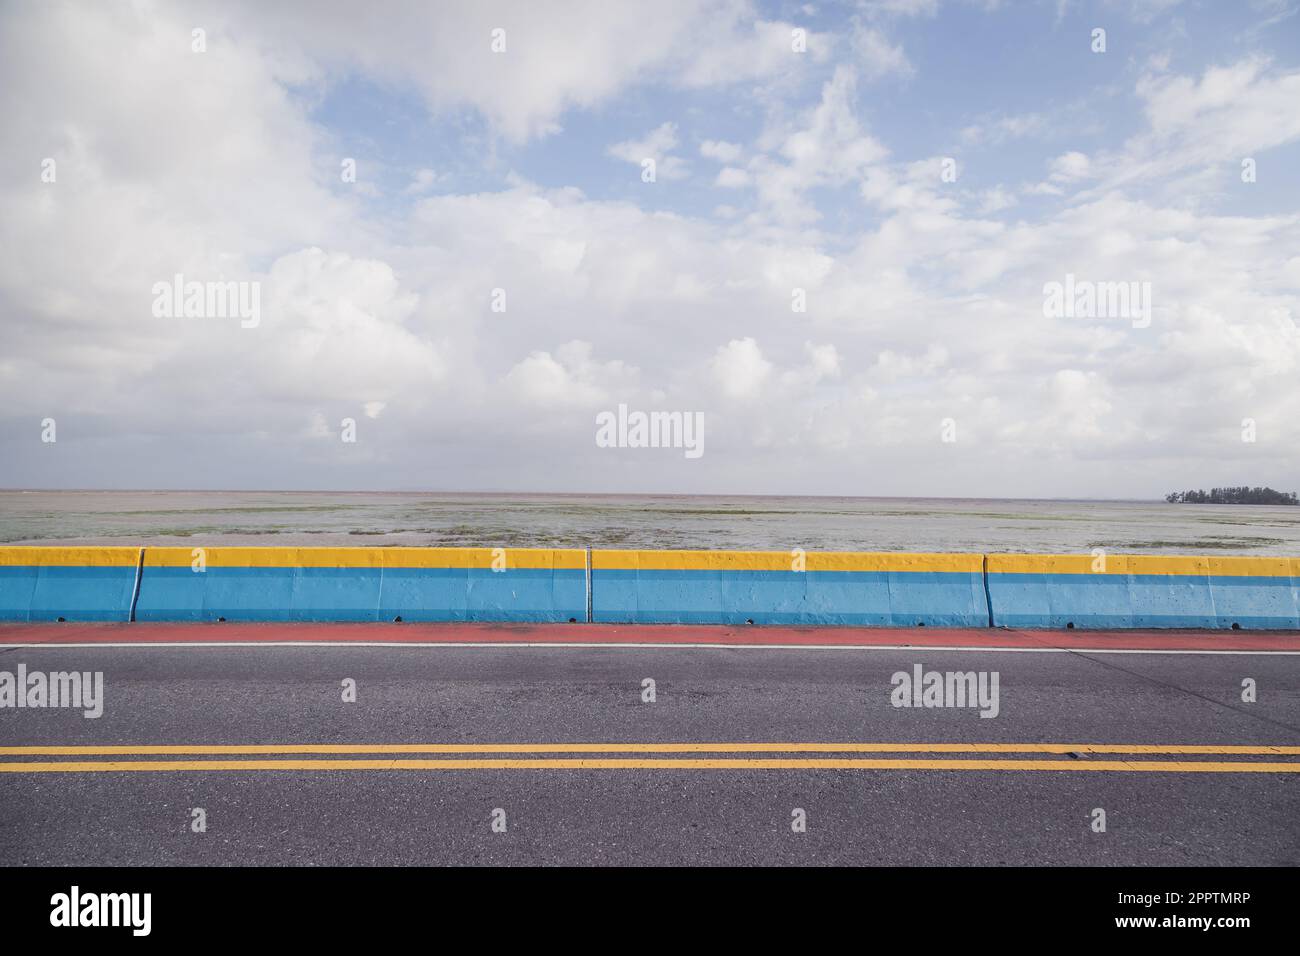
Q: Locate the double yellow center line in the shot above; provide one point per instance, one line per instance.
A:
(652, 756)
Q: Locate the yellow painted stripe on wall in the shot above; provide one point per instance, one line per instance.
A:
(570, 559)
(543, 558)
(1123, 564)
(1255, 567)
(783, 561)
(575, 559)
(20, 556)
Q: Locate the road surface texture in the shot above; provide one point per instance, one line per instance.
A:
(455, 727)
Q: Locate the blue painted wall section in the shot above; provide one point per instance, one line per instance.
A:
(775, 587)
(1143, 591)
(73, 584)
(363, 584)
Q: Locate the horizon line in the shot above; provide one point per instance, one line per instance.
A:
(574, 494)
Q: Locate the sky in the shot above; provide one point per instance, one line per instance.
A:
(834, 236)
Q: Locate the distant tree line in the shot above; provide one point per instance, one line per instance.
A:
(1234, 496)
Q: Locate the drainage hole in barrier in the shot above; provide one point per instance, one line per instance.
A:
(221, 620)
(1236, 626)
(398, 619)
(1069, 625)
(62, 620)
(573, 620)
(749, 620)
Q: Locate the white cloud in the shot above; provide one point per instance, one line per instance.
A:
(658, 145)
(828, 147)
(1230, 112)
(737, 51)
(556, 58)
(1003, 128)
(1144, 11)
(733, 178)
(876, 56)
(720, 150)
(570, 377)
(740, 369)
(1070, 167)
(574, 55)
(422, 181)
(995, 200)
(892, 366)
(823, 365)
(905, 8)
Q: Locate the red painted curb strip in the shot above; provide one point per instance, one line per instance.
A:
(615, 634)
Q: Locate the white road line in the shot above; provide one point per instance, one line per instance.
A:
(915, 648)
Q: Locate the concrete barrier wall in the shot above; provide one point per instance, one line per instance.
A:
(763, 587)
(72, 584)
(664, 587)
(1136, 591)
(363, 584)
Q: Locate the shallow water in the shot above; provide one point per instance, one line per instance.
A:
(513, 520)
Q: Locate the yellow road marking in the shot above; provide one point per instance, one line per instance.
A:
(631, 763)
(639, 748)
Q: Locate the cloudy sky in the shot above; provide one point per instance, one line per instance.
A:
(840, 261)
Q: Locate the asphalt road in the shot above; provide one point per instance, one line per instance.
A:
(645, 814)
